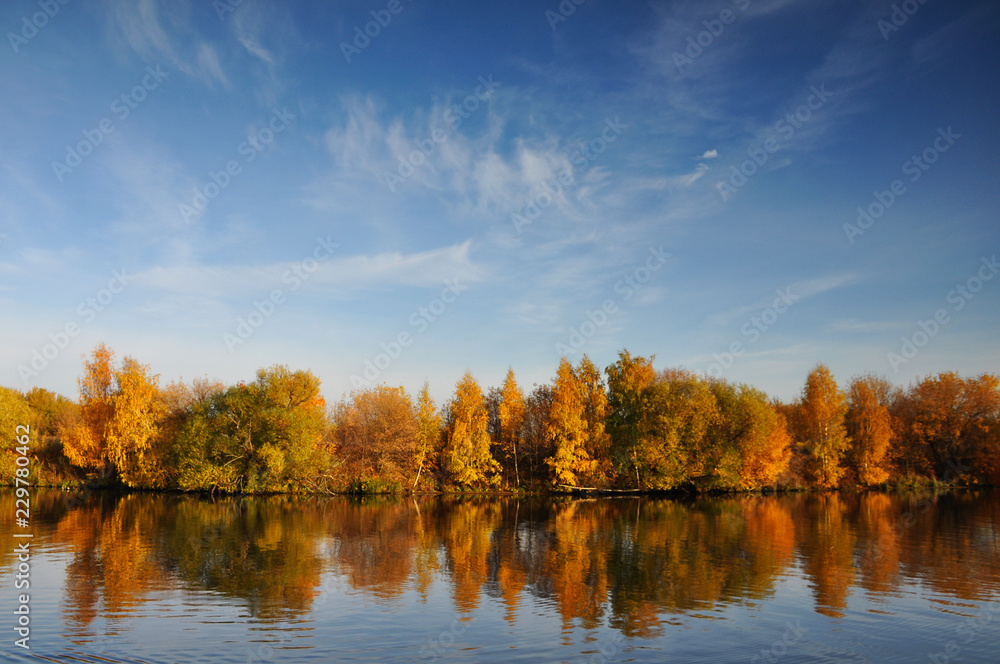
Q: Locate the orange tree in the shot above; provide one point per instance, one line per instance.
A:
(466, 456)
(120, 413)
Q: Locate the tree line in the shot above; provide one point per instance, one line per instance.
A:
(630, 427)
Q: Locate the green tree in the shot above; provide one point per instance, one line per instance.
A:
(50, 411)
(629, 380)
(675, 447)
(269, 435)
(14, 413)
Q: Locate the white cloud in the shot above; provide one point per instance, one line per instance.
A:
(682, 181)
(208, 62)
(341, 275)
(470, 170)
(139, 26)
(798, 291)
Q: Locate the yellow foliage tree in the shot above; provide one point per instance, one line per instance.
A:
(428, 432)
(133, 426)
(511, 420)
(14, 413)
(567, 429)
(595, 407)
(821, 417)
(467, 457)
(119, 409)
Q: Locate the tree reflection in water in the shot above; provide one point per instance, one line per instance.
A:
(629, 562)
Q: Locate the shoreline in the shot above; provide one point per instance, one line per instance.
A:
(578, 492)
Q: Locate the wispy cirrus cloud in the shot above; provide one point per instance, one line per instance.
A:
(159, 32)
(799, 291)
(341, 275)
(471, 168)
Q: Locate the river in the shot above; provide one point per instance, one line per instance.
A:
(831, 577)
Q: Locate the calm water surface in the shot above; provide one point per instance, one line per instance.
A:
(828, 578)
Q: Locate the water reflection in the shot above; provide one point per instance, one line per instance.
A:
(627, 563)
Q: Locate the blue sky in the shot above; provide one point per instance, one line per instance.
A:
(214, 189)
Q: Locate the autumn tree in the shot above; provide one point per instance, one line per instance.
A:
(51, 414)
(428, 433)
(14, 413)
(535, 443)
(84, 443)
(869, 427)
(568, 429)
(675, 447)
(131, 432)
(120, 421)
(750, 441)
(628, 408)
(952, 425)
(377, 434)
(466, 456)
(821, 426)
(265, 436)
(50, 411)
(595, 412)
(178, 399)
(511, 416)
